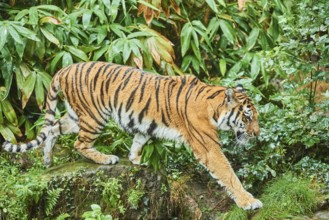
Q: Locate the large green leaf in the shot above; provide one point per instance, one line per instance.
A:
(228, 30)
(33, 16)
(39, 91)
(28, 88)
(67, 59)
(55, 60)
(222, 66)
(50, 36)
(212, 5)
(9, 111)
(255, 66)
(77, 53)
(3, 36)
(26, 32)
(186, 37)
(86, 17)
(13, 33)
(253, 36)
(7, 134)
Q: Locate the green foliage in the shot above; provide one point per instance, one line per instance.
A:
(21, 190)
(96, 214)
(135, 195)
(112, 196)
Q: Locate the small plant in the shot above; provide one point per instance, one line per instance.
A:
(112, 195)
(135, 195)
(96, 214)
(52, 198)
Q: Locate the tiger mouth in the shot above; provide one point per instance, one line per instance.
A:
(242, 137)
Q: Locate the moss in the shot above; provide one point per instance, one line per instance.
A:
(286, 197)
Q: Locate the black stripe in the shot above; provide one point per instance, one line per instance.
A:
(96, 76)
(60, 127)
(179, 92)
(119, 113)
(38, 141)
(29, 146)
(50, 98)
(93, 131)
(18, 148)
(215, 94)
(73, 118)
(157, 86)
(229, 117)
(116, 94)
(48, 122)
(131, 123)
(111, 73)
(49, 111)
(144, 111)
(142, 90)
(125, 83)
(152, 127)
(200, 91)
(236, 117)
(163, 119)
(42, 135)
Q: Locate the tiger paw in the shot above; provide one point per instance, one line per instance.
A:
(249, 203)
(108, 159)
(135, 159)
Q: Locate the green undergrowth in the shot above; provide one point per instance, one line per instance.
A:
(286, 197)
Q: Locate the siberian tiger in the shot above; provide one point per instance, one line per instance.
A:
(148, 105)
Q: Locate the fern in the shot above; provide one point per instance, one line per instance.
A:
(51, 200)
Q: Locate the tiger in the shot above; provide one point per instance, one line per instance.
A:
(177, 108)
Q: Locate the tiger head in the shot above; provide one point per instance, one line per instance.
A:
(239, 114)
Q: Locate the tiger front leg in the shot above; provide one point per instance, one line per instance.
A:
(214, 160)
(136, 148)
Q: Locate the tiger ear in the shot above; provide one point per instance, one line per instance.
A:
(240, 88)
(229, 96)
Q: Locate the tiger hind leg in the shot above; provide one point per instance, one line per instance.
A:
(136, 148)
(89, 131)
(68, 124)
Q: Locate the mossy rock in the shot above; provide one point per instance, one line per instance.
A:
(122, 190)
